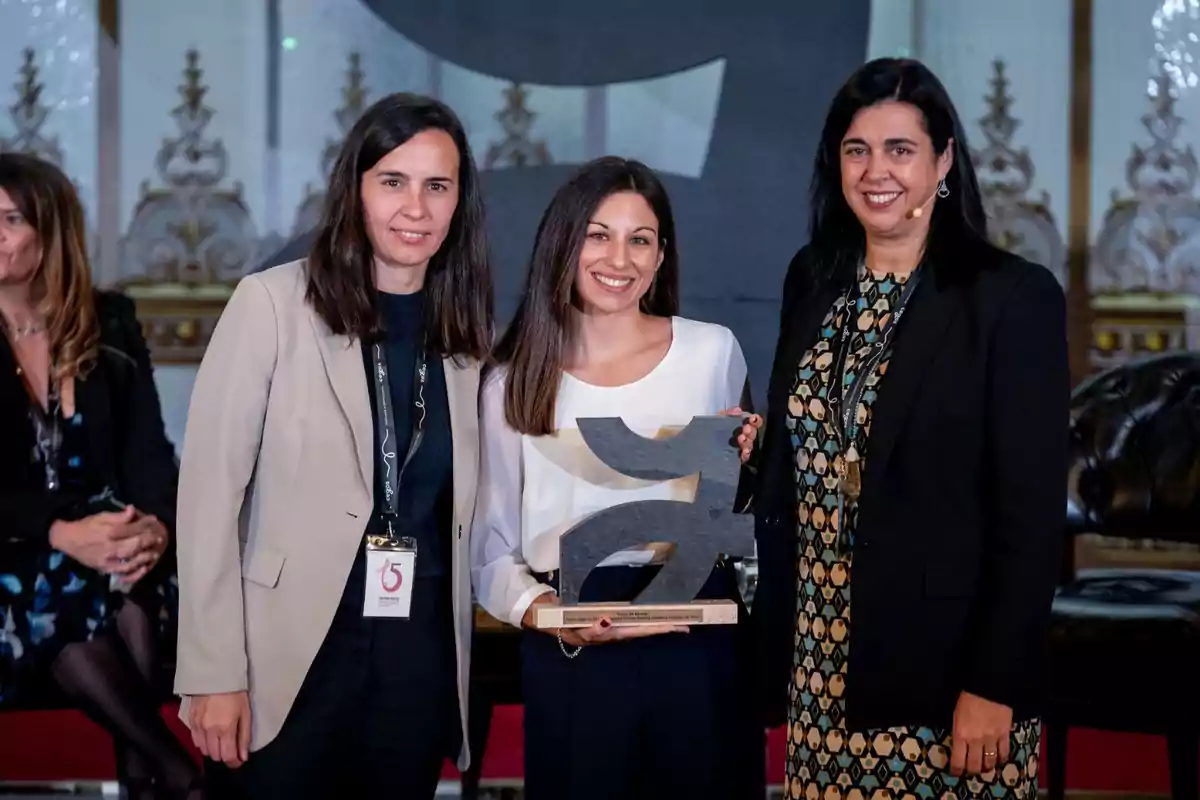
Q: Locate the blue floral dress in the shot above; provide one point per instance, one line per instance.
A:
(48, 600)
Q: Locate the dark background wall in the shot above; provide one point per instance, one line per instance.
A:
(743, 219)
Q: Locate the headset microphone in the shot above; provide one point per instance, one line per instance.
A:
(919, 211)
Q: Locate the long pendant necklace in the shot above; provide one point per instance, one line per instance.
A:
(844, 403)
(48, 434)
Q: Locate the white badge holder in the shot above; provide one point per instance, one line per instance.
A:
(391, 565)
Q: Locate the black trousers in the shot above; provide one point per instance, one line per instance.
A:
(663, 716)
(376, 716)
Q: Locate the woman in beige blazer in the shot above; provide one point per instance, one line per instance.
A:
(328, 484)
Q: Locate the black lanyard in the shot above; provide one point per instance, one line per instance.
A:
(385, 425)
(844, 420)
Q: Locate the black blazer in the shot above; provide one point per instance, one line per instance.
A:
(124, 427)
(963, 505)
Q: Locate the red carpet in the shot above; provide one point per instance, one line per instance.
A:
(63, 745)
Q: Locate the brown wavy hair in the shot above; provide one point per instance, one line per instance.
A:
(62, 280)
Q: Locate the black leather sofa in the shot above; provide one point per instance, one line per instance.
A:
(1125, 643)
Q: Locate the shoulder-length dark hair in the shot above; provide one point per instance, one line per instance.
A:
(534, 344)
(958, 224)
(62, 282)
(458, 283)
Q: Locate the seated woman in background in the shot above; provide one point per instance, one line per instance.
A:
(609, 711)
(87, 485)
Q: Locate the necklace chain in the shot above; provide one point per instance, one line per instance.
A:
(21, 332)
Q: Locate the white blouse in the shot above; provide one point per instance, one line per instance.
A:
(533, 488)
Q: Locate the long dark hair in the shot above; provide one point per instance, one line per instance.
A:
(47, 200)
(958, 223)
(535, 342)
(458, 283)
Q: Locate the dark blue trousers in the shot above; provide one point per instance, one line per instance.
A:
(663, 716)
(377, 714)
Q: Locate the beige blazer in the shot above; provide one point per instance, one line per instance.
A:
(276, 487)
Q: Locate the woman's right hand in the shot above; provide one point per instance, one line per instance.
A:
(220, 726)
(599, 632)
(114, 542)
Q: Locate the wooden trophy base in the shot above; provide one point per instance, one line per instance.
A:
(584, 615)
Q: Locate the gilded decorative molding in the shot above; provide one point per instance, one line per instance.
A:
(190, 240)
(516, 149)
(1016, 223)
(29, 115)
(1150, 239)
(354, 102)
(1134, 325)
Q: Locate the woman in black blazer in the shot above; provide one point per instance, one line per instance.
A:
(87, 486)
(940, 499)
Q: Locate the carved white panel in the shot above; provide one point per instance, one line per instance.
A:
(1017, 221)
(62, 35)
(231, 37)
(1150, 239)
(959, 40)
(318, 38)
(480, 100)
(189, 227)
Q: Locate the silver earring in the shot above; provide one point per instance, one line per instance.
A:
(943, 190)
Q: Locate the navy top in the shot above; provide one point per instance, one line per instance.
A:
(424, 499)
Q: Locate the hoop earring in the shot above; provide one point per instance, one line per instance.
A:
(943, 191)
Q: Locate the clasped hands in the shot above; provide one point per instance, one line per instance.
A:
(125, 543)
(603, 630)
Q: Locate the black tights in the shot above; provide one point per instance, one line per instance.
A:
(112, 680)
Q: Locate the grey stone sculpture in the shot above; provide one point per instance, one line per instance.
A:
(701, 530)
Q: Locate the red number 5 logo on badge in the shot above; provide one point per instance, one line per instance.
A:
(393, 585)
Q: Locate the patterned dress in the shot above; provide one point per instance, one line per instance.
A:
(824, 759)
(47, 599)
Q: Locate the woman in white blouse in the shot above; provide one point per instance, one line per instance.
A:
(609, 711)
